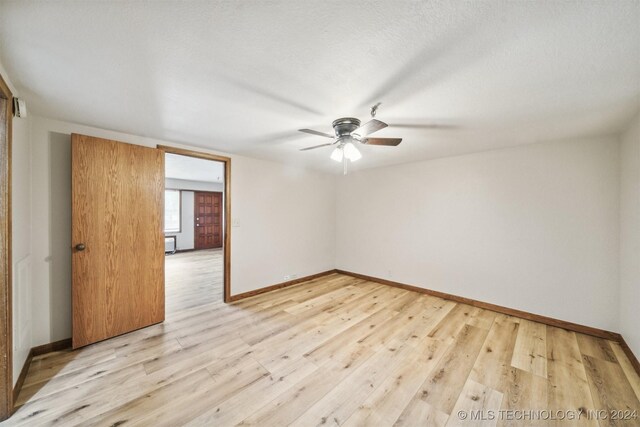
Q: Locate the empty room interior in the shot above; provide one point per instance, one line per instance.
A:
(358, 213)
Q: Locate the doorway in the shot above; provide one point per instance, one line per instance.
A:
(197, 227)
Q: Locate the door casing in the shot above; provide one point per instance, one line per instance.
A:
(6, 319)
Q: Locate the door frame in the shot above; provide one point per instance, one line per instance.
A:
(226, 240)
(195, 215)
(6, 319)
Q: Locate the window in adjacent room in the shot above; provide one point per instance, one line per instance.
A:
(172, 211)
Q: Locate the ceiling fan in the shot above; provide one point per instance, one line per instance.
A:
(348, 132)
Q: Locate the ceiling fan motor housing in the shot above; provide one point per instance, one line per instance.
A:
(345, 126)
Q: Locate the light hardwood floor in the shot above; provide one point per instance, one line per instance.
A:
(333, 351)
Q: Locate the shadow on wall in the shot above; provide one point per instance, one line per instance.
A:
(60, 234)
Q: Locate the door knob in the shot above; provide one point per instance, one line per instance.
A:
(80, 247)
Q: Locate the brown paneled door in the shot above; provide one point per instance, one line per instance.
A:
(208, 220)
(117, 238)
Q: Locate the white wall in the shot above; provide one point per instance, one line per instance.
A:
(21, 236)
(630, 236)
(533, 228)
(283, 223)
(284, 217)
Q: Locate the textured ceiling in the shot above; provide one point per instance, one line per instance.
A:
(243, 76)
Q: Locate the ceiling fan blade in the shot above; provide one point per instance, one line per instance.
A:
(315, 132)
(316, 146)
(370, 127)
(382, 141)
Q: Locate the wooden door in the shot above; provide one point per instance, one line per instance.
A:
(117, 238)
(208, 220)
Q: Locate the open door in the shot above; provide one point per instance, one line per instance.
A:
(117, 238)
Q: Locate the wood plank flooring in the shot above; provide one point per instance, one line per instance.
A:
(333, 351)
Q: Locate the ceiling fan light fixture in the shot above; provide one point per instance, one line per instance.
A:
(351, 152)
(337, 154)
